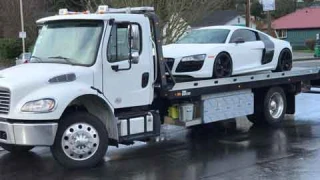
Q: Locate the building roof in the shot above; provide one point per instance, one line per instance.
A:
(216, 18)
(306, 18)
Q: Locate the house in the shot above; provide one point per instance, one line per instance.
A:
(298, 26)
(222, 17)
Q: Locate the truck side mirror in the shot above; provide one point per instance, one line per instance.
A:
(135, 34)
(135, 57)
(134, 43)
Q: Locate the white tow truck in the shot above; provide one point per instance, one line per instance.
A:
(99, 79)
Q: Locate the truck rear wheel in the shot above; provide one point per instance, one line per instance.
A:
(16, 149)
(273, 110)
(81, 141)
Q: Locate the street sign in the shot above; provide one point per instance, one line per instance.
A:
(22, 35)
(268, 5)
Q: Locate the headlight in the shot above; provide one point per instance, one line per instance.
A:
(39, 106)
(199, 57)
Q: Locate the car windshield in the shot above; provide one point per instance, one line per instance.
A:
(72, 42)
(205, 36)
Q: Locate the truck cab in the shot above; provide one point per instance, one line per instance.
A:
(91, 66)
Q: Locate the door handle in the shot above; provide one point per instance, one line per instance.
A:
(115, 68)
(145, 80)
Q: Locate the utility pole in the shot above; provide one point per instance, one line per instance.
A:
(22, 34)
(269, 22)
(248, 13)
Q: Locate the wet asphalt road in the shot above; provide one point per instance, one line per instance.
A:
(241, 151)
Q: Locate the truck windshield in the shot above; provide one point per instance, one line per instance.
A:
(70, 42)
(205, 36)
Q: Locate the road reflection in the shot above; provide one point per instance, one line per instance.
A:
(215, 150)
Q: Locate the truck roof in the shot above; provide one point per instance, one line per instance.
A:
(91, 17)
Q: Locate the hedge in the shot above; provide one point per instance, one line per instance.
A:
(10, 48)
(310, 43)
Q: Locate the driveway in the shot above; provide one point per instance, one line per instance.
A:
(291, 151)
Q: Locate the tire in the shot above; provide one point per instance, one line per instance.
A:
(16, 149)
(284, 61)
(273, 110)
(81, 141)
(222, 66)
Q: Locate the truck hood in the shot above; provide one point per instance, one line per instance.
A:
(182, 50)
(35, 74)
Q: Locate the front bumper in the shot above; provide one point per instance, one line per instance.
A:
(24, 133)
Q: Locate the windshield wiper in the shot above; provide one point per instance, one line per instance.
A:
(38, 59)
(68, 60)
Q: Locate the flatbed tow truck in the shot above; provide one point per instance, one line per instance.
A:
(80, 109)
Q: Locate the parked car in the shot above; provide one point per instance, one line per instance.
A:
(20, 60)
(223, 51)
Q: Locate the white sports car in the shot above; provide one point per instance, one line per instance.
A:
(223, 51)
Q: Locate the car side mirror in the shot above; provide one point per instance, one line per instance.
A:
(135, 57)
(239, 40)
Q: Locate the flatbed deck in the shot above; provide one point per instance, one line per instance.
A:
(248, 81)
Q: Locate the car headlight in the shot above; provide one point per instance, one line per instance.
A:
(199, 57)
(39, 106)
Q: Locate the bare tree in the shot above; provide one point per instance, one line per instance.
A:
(11, 17)
(175, 15)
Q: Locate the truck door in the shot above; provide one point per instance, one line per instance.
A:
(128, 81)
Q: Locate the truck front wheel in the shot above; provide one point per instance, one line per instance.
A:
(81, 141)
(16, 149)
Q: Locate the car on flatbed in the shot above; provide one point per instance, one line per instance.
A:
(224, 51)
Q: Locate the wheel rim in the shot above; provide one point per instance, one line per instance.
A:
(223, 67)
(286, 61)
(276, 105)
(80, 141)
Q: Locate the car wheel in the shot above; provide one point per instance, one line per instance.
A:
(16, 149)
(81, 141)
(222, 66)
(284, 61)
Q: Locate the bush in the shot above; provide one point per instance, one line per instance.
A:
(10, 48)
(310, 43)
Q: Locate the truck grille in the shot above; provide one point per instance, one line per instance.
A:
(4, 101)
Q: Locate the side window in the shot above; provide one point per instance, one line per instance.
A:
(263, 37)
(119, 45)
(245, 34)
(236, 34)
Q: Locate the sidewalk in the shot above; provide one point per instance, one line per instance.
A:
(302, 55)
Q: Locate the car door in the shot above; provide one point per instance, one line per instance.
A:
(246, 50)
(128, 84)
